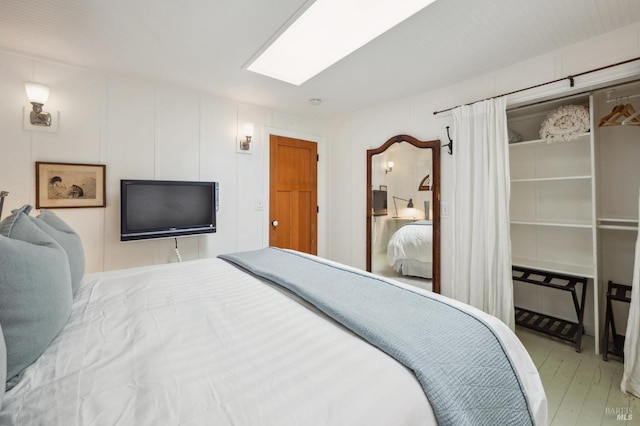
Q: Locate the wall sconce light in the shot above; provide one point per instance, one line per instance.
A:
(389, 167)
(247, 132)
(38, 94)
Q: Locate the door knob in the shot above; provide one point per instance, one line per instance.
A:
(274, 223)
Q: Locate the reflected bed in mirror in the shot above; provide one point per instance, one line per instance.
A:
(403, 221)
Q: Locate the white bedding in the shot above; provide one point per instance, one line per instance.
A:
(409, 250)
(202, 343)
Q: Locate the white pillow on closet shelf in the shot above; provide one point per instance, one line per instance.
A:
(565, 123)
(514, 136)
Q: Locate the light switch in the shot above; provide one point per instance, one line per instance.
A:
(444, 209)
(259, 203)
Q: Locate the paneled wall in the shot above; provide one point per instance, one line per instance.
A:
(143, 130)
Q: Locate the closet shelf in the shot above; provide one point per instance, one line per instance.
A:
(552, 266)
(619, 228)
(556, 223)
(580, 138)
(552, 179)
(618, 224)
(617, 220)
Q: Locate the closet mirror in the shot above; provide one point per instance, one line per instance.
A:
(403, 211)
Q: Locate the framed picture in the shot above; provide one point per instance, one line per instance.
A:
(383, 187)
(67, 185)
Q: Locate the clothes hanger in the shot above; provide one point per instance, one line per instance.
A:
(633, 120)
(617, 118)
(616, 110)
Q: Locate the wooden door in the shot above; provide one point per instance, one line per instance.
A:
(293, 194)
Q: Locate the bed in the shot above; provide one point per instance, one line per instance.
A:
(409, 250)
(267, 337)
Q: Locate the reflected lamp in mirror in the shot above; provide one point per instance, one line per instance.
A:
(389, 167)
(247, 132)
(38, 94)
(409, 205)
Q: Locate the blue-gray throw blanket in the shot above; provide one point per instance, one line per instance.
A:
(460, 363)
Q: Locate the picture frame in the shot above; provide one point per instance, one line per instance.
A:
(70, 185)
(383, 187)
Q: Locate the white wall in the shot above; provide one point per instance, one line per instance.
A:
(143, 129)
(349, 137)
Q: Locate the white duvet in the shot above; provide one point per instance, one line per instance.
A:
(410, 250)
(202, 343)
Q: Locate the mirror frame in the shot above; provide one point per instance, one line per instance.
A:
(435, 187)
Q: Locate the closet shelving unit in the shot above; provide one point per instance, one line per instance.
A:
(553, 225)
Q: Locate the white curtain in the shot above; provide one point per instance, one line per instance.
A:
(481, 242)
(631, 376)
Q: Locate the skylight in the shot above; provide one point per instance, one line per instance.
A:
(328, 31)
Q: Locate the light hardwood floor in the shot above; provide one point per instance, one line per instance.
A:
(581, 388)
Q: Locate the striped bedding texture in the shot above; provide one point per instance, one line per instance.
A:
(202, 342)
(464, 370)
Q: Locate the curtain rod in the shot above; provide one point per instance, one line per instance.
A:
(569, 77)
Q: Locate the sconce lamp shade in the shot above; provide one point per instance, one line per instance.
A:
(247, 129)
(247, 133)
(36, 92)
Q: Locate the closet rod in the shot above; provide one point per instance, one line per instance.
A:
(622, 98)
(569, 77)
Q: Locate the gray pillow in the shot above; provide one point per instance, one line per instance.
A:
(56, 228)
(35, 290)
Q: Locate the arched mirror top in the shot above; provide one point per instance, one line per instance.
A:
(403, 186)
(434, 144)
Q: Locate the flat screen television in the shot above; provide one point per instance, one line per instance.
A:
(166, 209)
(379, 202)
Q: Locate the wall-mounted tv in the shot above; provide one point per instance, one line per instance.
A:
(166, 209)
(379, 202)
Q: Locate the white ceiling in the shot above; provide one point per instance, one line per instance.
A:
(206, 44)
